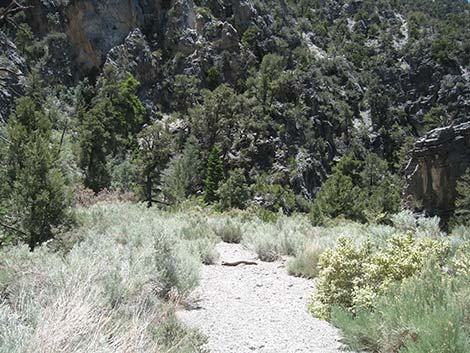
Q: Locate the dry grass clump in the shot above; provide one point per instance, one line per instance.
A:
(83, 197)
(109, 293)
(229, 230)
(305, 264)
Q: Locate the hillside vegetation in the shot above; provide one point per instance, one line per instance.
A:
(136, 135)
(192, 98)
(113, 283)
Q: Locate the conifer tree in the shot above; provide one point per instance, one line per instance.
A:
(182, 176)
(38, 196)
(109, 128)
(234, 192)
(151, 158)
(214, 175)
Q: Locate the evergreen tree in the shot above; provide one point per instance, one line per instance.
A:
(214, 175)
(358, 189)
(337, 197)
(436, 117)
(380, 188)
(109, 128)
(4, 189)
(185, 92)
(152, 156)
(234, 192)
(215, 121)
(38, 195)
(182, 176)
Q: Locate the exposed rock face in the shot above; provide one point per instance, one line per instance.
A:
(135, 55)
(95, 27)
(438, 161)
(12, 74)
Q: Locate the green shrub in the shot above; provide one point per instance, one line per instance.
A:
(266, 247)
(404, 221)
(229, 231)
(339, 269)
(352, 276)
(291, 241)
(178, 269)
(305, 264)
(200, 240)
(287, 236)
(204, 249)
(234, 192)
(172, 331)
(461, 260)
(267, 215)
(426, 313)
(107, 293)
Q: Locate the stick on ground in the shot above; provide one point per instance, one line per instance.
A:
(236, 263)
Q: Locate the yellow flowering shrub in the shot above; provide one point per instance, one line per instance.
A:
(353, 276)
(461, 259)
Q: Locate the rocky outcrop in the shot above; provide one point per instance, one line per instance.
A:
(94, 27)
(135, 56)
(12, 75)
(437, 162)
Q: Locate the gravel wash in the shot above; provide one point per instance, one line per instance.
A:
(256, 308)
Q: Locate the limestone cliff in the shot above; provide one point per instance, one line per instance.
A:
(438, 161)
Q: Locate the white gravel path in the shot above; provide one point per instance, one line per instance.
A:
(260, 308)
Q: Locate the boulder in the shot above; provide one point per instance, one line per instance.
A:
(437, 162)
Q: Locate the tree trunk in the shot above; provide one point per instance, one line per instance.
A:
(148, 190)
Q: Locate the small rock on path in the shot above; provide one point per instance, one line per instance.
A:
(261, 308)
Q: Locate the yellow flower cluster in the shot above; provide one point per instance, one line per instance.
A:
(352, 276)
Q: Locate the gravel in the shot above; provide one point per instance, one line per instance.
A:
(256, 308)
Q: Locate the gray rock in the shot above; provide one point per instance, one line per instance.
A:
(135, 55)
(94, 27)
(12, 75)
(438, 160)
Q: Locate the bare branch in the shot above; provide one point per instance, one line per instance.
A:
(9, 227)
(5, 69)
(236, 263)
(12, 8)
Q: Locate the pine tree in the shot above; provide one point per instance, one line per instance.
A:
(214, 175)
(182, 176)
(234, 192)
(38, 195)
(337, 197)
(152, 156)
(109, 128)
(358, 189)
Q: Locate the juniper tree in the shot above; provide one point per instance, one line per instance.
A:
(182, 176)
(214, 175)
(37, 191)
(109, 127)
(151, 158)
(234, 192)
